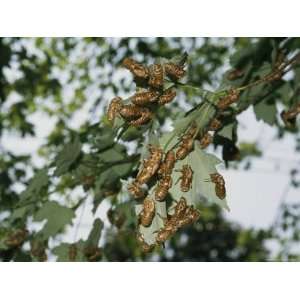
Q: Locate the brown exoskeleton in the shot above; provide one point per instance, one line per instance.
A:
(215, 124)
(156, 76)
(150, 165)
(135, 190)
(136, 115)
(205, 140)
(163, 188)
(168, 164)
(186, 178)
(187, 143)
(184, 149)
(144, 98)
(92, 253)
(173, 71)
(191, 216)
(145, 247)
(38, 250)
(114, 108)
(163, 235)
(138, 70)
(289, 117)
(180, 208)
(147, 214)
(167, 96)
(235, 74)
(231, 97)
(17, 238)
(219, 182)
(72, 252)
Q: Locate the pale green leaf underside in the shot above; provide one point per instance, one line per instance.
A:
(228, 131)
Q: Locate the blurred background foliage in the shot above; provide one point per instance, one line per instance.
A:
(67, 83)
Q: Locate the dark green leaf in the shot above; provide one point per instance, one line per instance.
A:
(57, 217)
(67, 157)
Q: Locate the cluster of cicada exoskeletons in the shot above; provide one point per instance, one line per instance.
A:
(150, 91)
(159, 166)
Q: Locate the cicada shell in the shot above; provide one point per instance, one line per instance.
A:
(163, 235)
(150, 165)
(136, 115)
(72, 252)
(191, 132)
(163, 188)
(219, 182)
(148, 212)
(156, 76)
(173, 71)
(92, 253)
(215, 124)
(275, 75)
(144, 175)
(180, 208)
(171, 224)
(206, 140)
(184, 148)
(114, 108)
(289, 117)
(155, 156)
(145, 247)
(235, 74)
(135, 68)
(194, 215)
(17, 238)
(145, 117)
(38, 250)
(144, 98)
(167, 96)
(231, 97)
(186, 178)
(191, 216)
(130, 112)
(135, 190)
(167, 166)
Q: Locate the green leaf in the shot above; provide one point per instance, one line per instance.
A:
(113, 155)
(57, 217)
(285, 93)
(67, 157)
(228, 131)
(95, 234)
(37, 183)
(3, 236)
(264, 70)
(239, 58)
(104, 139)
(266, 111)
(21, 212)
